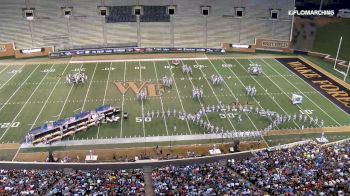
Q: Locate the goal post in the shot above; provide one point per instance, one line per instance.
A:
(340, 66)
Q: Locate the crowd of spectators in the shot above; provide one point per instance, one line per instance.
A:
(307, 169)
(27, 182)
(101, 182)
(204, 179)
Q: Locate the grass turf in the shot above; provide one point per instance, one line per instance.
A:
(31, 95)
(327, 39)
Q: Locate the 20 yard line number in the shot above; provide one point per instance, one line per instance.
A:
(7, 125)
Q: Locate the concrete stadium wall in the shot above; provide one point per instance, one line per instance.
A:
(187, 28)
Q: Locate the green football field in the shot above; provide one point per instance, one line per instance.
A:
(31, 95)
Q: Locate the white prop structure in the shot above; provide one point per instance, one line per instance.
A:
(255, 69)
(297, 99)
(76, 78)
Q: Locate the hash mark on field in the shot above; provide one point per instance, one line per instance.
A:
(143, 121)
(178, 95)
(65, 101)
(161, 99)
(219, 101)
(263, 88)
(164, 97)
(47, 99)
(227, 86)
(150, 80)
(302, 93)
(15, 118)
(104, 97)
(19, 87)
(121, 122)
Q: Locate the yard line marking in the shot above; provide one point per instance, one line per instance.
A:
(233, 93)
(93, 74)
(104, 97)
(37, 117)
(47, 99)
(161, 99)
(122, 119)
(139, 60)
(9, 78)
(264, 88)
(65, 101)
(15, 118)
(200, 102)
(19, 87)
(7, 66)
(178, 95)
(278, 86)
(143, 121)
(234, 129)
(303, 93)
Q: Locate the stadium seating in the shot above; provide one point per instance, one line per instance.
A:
(187, 28)
(154, 14)
(101, 182)
(306, 169)
(27, 182)
(205, 179)
(302, 170)
(120, 14)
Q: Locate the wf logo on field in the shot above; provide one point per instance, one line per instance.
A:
(153, 89)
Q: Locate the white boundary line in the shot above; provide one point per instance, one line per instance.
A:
(303, 93)
(200, 102)
(178, 95)
(217, 99)
(7, 66)
(234, 94)
(122, 119)
(142, 108)
(9, 78)
(263, 88)
(104, 97)
(37, 117)
(161, 99)
(281, 89)
(20, 87)
(65, 101)
(88, 90)
(15, 118)
(138, 60)
(47, 99)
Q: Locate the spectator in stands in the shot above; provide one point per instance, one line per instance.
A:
(302, 170)
(27, 182)
(206, 179)
(101, 182)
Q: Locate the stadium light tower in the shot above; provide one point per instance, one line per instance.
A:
(321, 5)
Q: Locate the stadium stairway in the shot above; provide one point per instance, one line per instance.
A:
(147, 172)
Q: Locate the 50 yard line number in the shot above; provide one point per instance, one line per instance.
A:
(147, 119)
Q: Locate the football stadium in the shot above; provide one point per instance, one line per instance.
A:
(173, 97)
